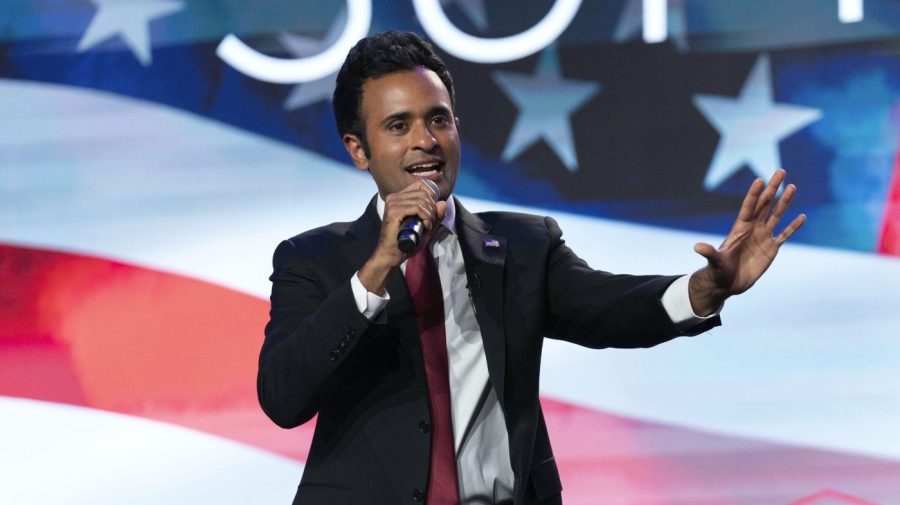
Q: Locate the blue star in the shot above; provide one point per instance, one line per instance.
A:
(545, 102)
(631, 21)
(319, 90)
(751, 127)
(474, 10)
(129, 19)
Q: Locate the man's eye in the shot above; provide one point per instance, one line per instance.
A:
(397, 127)
(441, 120)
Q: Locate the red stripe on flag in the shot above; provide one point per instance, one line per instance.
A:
(108, 335)
(889, 241)
(605, 458)
(831, 497)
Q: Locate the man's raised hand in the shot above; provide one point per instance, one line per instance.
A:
(417, 199)
(749, 248)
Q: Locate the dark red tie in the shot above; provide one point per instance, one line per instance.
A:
(428, 300)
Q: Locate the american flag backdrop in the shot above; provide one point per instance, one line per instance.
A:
(151, 158)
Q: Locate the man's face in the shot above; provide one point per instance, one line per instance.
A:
(411, 132)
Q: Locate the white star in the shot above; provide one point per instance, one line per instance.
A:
(751, 126)
(545, 102)
(474, 10)
(631, 22)
(319, 90)
(130, 19)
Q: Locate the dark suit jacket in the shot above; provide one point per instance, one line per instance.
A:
(366, 380)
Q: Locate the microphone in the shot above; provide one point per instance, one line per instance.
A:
(411, 228)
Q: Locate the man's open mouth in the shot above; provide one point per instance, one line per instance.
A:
(426, 169)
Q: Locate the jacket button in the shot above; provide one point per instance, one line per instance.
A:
(418, 494)
(424, 426)
(334, 355)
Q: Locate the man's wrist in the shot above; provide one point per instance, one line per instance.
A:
(373, 275)
(706, 298)
(369, 304)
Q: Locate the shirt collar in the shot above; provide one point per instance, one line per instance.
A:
(449, 221)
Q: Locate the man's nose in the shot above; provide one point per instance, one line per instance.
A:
(423, 138)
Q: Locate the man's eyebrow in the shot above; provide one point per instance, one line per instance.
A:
(402, 116)
(439, 109)
(406, 115)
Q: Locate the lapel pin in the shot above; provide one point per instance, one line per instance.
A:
(491, 242)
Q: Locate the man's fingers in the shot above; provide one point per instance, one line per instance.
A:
(790, 229)
(706, 250)
(748, 207)
(424, 209)
(781, 207)
(399, 207)
(769, 194)
(420, 187)
(428, 214)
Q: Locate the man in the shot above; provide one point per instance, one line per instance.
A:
(423, 368)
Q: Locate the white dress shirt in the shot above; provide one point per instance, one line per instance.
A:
(479, 429)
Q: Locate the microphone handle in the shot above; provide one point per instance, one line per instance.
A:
(411, 228)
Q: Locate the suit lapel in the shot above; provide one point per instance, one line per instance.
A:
(485, 256)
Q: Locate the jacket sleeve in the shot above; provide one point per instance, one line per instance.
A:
(598, 309)
(312, 328)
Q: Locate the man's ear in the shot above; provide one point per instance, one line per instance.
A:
(354, 147)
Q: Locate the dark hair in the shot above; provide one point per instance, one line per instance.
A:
(376, 56)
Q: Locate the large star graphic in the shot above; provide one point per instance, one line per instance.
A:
(474, 10)
(545, 101)
(319, 90)
(129, 19)
(631, 22)
(751, 126)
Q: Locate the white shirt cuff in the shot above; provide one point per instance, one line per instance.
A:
(369, 304)
(677, 302)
